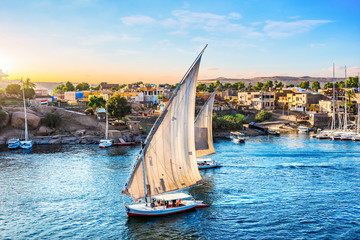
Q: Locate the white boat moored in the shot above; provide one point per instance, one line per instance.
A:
(26, 144)
(237, 137)
(105, 143)
(13, 143)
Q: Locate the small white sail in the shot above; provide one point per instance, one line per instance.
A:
(203, 129)
(169, 150)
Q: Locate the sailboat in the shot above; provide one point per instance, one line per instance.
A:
(25, 144)
(203, 135)
(105, 143)
(326, 134)
(167, 161)
(13, 143)
(357, 136)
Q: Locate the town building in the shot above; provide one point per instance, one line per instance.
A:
(263, 100)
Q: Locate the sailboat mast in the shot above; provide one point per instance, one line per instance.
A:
(26, 127)
(143, 164)
(358, 120)
(345, 116)
(106, 116)
(333, 115)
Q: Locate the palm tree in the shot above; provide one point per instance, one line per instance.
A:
(28, 84)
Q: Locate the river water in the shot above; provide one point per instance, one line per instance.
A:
(268, 188)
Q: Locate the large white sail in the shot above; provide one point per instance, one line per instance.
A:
(203, 129)
(168, 156)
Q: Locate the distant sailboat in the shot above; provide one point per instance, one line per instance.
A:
(203, 135)
(105, 143)
(26, 144)
(167, 160)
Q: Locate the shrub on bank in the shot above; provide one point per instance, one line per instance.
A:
(52, 120)
(262, 116)
(2, 116)
(89, 111)
(228, 122)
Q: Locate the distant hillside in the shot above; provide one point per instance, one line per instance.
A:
(286, 80)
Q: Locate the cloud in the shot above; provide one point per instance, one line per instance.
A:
(138, 20)
(106, 38)
(278, 29)
(234, 16)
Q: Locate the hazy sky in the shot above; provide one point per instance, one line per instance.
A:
(156, 41)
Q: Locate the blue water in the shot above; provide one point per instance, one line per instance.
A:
(268, 188)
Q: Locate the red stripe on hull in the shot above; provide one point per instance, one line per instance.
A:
(202, 206)
(155, 215)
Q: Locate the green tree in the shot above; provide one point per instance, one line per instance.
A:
(2, 116)
(70, 86)
(64, 89)
(219, 86)
(52, 120)
(29, 93)
(95, 88)
(270, 84)
(249, 87)
(201, 87)
(279, 85)
(352, 82)
(118, 107)
(290, 85)
(59, 89)
(262, 116)
(211, 87)
(114, 89)
(304, 85)
(258, 86)
(28, 84)
(228, 122)
(341, 84)
(122, 86)
(13, 89)
(96, 102)
(265, 88)
(315, 86)
(238, 86)
(82, 86)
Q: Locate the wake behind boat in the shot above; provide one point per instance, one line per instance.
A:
(167, 160)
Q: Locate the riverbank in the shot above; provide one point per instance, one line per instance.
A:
(78, 128)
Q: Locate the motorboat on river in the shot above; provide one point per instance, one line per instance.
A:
(237, 137)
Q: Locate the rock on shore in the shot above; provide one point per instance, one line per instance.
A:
(18, 120)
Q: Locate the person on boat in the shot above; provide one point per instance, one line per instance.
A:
(152, 204)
